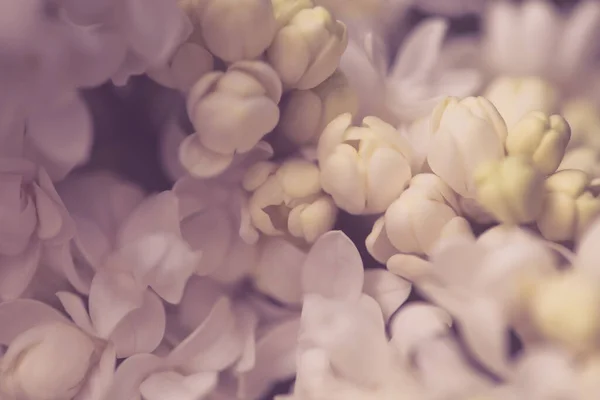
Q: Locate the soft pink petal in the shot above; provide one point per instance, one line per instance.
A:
(113, 295)
(98, 383)
(142, 330)
(130, 375)
(16, 272)
(170, 385)
(333, 268)
(389, 290)
(275, 360)
(158, 213)
(75, 308)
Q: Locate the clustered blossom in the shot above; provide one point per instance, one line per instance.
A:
(353, 210)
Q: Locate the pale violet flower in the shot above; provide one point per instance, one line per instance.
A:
(34, 222)
(410, 87)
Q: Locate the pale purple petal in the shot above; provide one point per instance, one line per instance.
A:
(333, 268)
(389, 290)
(17, 316)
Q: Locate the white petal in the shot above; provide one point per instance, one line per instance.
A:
(389, 290)
(16, 272)
(333, 268)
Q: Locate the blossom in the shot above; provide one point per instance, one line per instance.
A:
(363, 168)
(469, 130)
(288, 198)
(307, 48)
(541, 138)
(254, 89)
(34, 220)
(511, 189)
(569, 206)
(246, 31)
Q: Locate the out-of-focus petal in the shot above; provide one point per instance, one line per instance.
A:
(100, 379)
(142, 330)
(16, 272)
(389, 290)
(170, 385)
(333, 268)
(130, 375)
(275, 360)
(75, 308)
(17, 316)
(113, 295)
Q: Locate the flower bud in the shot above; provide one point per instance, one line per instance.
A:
(305, 113)
(47, 362)
(511, 189)
(540, 138)
(586, 159)
(584, 119)
(232, 111)
(235, 30)
(189, 63)
(569, 206)
(415, 221)
(566, 308)
(287, 199)
(516, 97)
(307, 50)
(466, 134)
(363, 168)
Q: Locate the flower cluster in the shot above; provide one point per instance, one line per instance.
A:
(364, 211)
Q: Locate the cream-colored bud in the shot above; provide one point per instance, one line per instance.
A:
(236, 30)
(285, 10)
(584, 118)
(364, 168)
(189, 63)
(569, 206)
(305, 113)
(466, 134)
(288, 199)
(233, 110)
(566, 308)
(415, 221)
(378, 244)
(47, 362)
(586, 159)
(512, 189)
(516, 97)
(541, 138)
(307, 50)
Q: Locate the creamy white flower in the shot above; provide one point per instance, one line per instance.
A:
(308, 48)
(415, 221)
(565, 307)
(233, 30)
(364, 168)
(31, 368)
(511, 189)
(231, 112)
(288, 198)
(516, 97)
(305, 113)
(570, 205)
(540, 138)
(466, 133)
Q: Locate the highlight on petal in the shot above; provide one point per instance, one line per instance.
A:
(333, 268)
